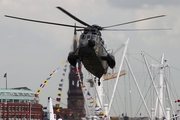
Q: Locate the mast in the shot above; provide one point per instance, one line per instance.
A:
(120, 67)
(161, 87)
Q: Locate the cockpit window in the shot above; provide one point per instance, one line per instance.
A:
(88, 37)
(83, 36)
(94, 37)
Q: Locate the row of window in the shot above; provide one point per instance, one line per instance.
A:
(16, 94)
(34, 116)
(17, 101)
(19, 108)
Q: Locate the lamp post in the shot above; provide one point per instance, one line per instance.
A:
(29, 110)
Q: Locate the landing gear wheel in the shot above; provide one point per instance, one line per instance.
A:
(99, 83)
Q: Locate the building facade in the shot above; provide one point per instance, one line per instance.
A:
(19, 103)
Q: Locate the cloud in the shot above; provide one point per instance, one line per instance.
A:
(136, 4)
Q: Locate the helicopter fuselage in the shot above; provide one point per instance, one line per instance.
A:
(93, 54)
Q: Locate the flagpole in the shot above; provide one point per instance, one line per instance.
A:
(6, 81)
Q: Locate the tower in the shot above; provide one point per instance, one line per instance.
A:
(75, 95)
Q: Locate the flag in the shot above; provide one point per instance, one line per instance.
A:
(36, 95)
(89, 98)
(177, 101)
(93, 101)
(45, 81)
(58, 68)
(60, 89)
(101, 113)
(52, 74)
(99, 109)
(57, 105)
(54, 71)
(43, 85)
(60, 85)
(5, 75)
(58, 110)
(97, 105)
(88, 94)
(38, 91)
(58, 99)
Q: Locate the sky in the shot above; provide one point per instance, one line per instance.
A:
(31, 51)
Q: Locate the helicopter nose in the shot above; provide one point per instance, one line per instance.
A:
(91, 43)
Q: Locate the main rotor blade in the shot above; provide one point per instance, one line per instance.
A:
(136, 29)
(72, 16)
(135, 21)
(44, 22)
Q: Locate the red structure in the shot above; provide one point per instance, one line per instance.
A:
(21, 111)
(19, 104)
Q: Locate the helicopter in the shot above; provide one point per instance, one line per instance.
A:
(91, 51)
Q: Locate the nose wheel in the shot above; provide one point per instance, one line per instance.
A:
(99, 83)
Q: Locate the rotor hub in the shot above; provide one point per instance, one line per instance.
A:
(97, 27)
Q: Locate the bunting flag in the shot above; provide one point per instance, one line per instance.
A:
(38, 91)
(60, 89)
(177, 101)
(42, 85)
(57, 105)
(58, 99)
(60, 85)
(52, 74)
(45, 81)
(5, 75)
(58, 110)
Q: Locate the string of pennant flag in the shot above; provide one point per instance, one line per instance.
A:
(90, 101)
(42, 85)
(86, 93)
(58, 99)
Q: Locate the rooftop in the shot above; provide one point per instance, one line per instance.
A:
(16, 94)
